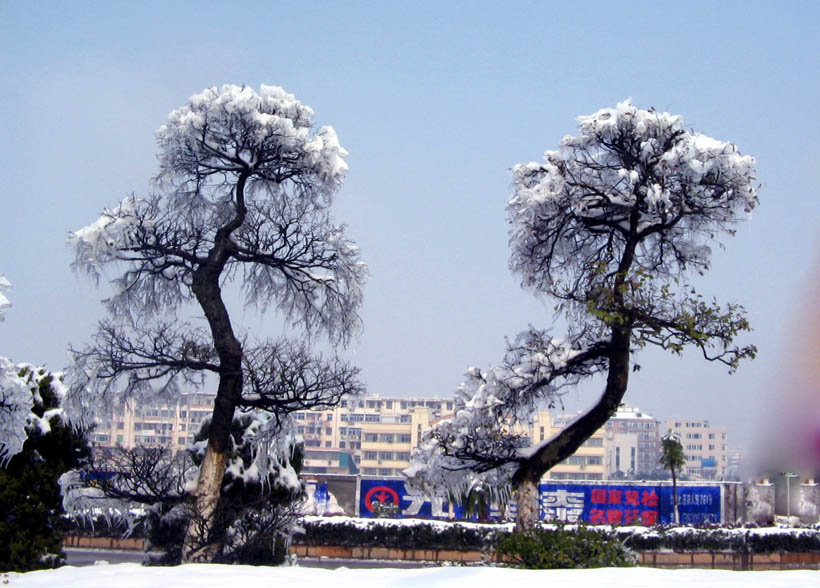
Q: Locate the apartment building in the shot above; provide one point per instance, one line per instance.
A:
(157, 424)
(371, 436)
(705, 447)
(633, 444)
(587, 463)
(378, 434)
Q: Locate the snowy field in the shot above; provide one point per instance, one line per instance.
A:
(205, 576)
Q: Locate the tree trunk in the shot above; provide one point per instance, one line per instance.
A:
(675, 495)
(203, 541)
(526, 479)
(526, 495)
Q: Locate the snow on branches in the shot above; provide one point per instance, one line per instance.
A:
(4, 301)
(630, 175)
(230, 129)
(487, 438)
(16, 402)
(19, 398)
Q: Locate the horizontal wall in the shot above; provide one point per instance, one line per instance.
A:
(655, 559)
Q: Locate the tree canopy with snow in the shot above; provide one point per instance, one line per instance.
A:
(609, 226)
(243, 197)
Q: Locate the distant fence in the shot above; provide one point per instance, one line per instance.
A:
(596, 502)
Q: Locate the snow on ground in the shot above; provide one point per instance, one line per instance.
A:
(206, 576)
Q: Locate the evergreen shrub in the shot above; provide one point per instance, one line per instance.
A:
(550, 548)
(31, 521)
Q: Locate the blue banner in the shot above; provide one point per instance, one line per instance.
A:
(390, 499)
(645, 505)
(696, 504)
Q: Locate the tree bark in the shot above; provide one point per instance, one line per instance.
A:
(526, 494)
(200, 545)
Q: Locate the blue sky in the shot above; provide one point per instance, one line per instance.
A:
(435, 103)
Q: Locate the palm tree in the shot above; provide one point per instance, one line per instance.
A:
(672, 457)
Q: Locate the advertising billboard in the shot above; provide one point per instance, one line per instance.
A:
(389, 498)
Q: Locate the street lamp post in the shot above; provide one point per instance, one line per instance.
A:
(788, 476)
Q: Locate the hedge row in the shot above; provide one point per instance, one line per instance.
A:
(475, 537)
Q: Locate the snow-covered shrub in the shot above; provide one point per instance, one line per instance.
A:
(31, 522)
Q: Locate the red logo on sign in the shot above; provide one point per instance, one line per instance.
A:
(381, 494)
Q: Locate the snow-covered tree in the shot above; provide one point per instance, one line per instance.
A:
(16, 397)
(243, 196)
(608, 226)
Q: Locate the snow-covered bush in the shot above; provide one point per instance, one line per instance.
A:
(31, 517)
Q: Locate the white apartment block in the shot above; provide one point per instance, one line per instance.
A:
(378, 434)
(633, 444)
(705, 447)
